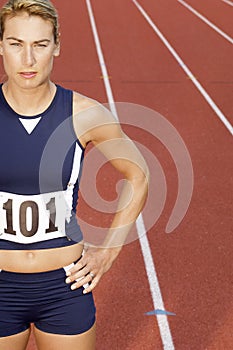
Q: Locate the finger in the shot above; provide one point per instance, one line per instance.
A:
(78, 266)
(81, 282)
(77, 275)
(91, 286)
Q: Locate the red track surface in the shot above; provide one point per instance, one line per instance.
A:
(194, 263)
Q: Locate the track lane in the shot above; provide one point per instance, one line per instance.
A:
(185, 68)
(208, 59)
(207, 21)
(193, 286)
(140, 226)
(216, 11)
(148, 260)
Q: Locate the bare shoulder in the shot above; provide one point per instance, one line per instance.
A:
(81, 103)
(92, 120)
(94, 123)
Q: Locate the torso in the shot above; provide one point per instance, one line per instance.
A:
(39, 260)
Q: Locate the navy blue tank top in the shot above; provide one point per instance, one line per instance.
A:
(40, 168)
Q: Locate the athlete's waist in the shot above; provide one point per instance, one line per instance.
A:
(39, 260)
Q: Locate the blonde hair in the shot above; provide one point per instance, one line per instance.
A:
(43, 8)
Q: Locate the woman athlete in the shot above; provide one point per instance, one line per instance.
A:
(46, 278)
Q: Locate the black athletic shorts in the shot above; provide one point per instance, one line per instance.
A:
(46, 300)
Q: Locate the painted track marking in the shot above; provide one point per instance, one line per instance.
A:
(204, 19)
(154, 286)
(105, 76)
(188, 72)
(228, 2)
(145, 247)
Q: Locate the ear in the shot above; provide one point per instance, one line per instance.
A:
(1, 48)
(57, 48)
(56, 52)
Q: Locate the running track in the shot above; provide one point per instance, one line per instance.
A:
(193, 263)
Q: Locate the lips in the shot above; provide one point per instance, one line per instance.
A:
(28, 75)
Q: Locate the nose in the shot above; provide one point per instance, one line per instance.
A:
(28, 57)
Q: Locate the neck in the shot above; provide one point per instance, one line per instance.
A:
(29, 102)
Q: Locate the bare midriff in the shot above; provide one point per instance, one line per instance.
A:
(29, 261)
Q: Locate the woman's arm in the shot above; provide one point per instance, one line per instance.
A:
(94, 123)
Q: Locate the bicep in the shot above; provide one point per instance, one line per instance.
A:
(98, 126)
(123, 154)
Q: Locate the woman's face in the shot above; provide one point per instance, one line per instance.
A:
(28, 50)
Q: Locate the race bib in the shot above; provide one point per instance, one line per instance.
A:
(32, 218)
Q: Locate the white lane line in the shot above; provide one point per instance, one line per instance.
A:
(207, 97)
(204, 19)
(145, 247)
(162, 320)
(101, 61)
(228, 2)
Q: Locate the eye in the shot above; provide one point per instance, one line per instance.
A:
(41, 45)
(15, 44)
